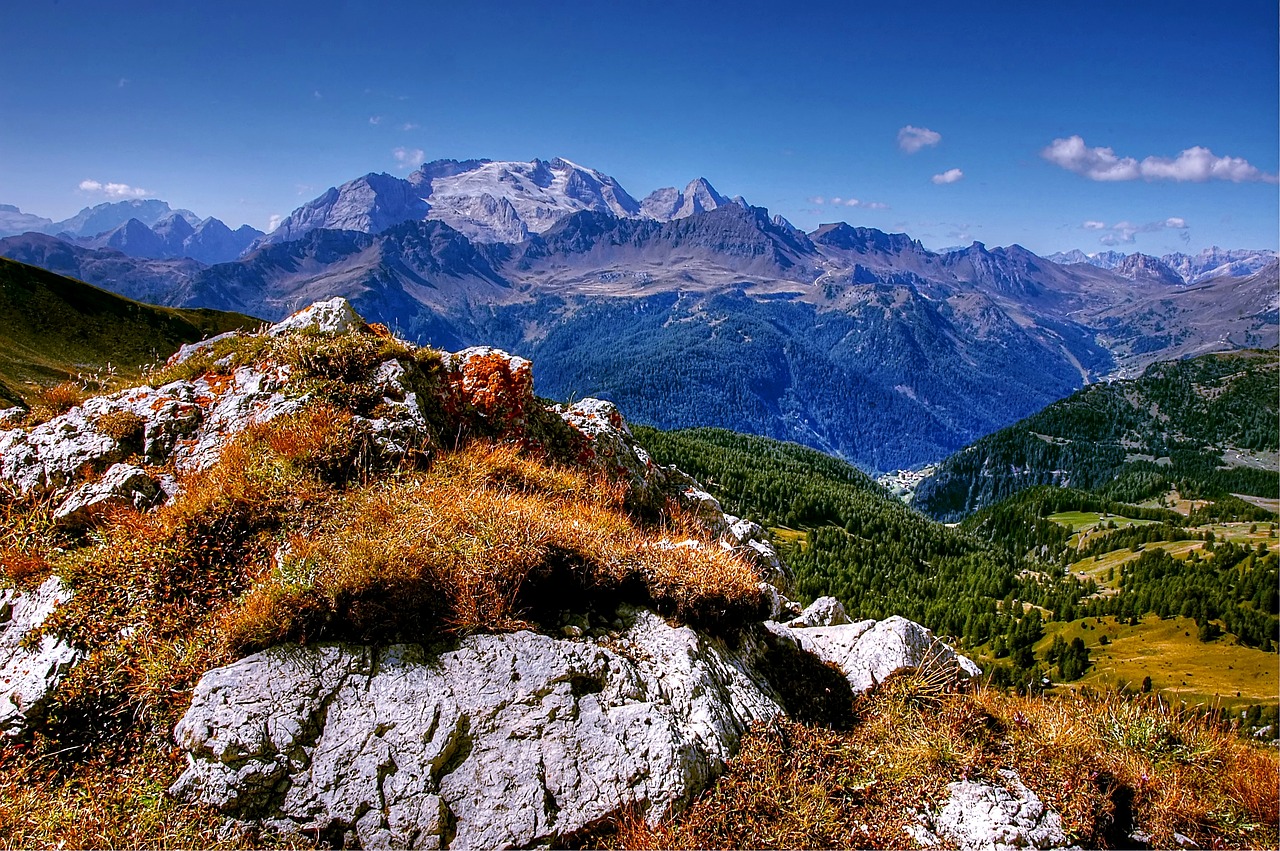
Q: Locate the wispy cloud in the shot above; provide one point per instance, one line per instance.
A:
(124, 81)
(274, 222)
(409, 125)
(951, 175)
(912, 139)
(1125, 233)
(837, 201)
(409, 157)
(375, 120)
(1195, 165)
(114, 190)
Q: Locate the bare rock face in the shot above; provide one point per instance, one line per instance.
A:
(506, 741)
(28, 676)
(979, 815)
(868, 651)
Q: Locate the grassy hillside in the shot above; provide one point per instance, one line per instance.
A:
(1207, 425)
(53, 328)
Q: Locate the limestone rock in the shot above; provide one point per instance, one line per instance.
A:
(28, 676)
(824, 611)
(507, 740)
(187, 350)
(868, 651)
(332, 316)
(122, 484)
(979, 816)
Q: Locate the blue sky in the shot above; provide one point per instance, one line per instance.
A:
(247, 113)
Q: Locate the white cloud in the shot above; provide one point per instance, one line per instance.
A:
(1125, 233)
(837, 201)
(1196, 164)
(912, 139)
(409, 125)
(409, 157)
(274, 222)
(114, 190)
(951, 175)
(375, 120)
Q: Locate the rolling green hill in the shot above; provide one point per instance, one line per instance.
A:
(53, 328)
(1207, 426)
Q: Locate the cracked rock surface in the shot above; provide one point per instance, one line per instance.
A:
(506, 741)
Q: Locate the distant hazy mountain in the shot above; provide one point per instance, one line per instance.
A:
(1145, 266)
(1217, 262)
(13, 220)
(670, 203)
(92, 221)
(1186, 268)
(209, 241)
(144, 228)
(489, 201)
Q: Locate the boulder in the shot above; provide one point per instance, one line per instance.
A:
(27, 677)
(332, 316)
(122, 484)
(979, 815)
(506, 740)
(868, 651)
(824, 611)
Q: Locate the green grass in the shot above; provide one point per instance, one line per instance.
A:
(54, 328)
(1078, 520)
(1181, 667)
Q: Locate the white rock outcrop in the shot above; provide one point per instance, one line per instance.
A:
(980, 816)
(28, 676)
(332, 316)
(506, 741)
(868, 651)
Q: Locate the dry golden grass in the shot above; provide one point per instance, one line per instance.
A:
(54, 401)
(488, 540)
(27, 536)
(1109, 765)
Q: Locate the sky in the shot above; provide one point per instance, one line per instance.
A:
(1131, 126)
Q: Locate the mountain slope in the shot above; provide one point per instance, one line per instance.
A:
(52, 328)
(1209, 423)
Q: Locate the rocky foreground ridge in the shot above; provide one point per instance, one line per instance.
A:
(583, 701)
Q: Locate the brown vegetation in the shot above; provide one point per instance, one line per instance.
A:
(1110, 765)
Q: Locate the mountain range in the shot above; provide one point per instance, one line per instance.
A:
(142, 228)
(1176, 268)
(691, 309)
